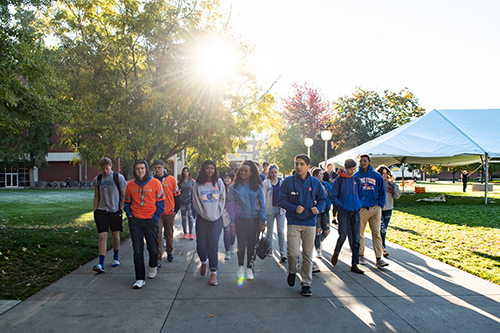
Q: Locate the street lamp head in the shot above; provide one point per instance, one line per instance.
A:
(308, 142)
(326, 135)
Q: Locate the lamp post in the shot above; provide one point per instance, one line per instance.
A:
(326, 136)
(308, 142)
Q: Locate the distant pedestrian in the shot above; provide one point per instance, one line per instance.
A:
(186, 185)
(391, 192)
(323, 218)
(371, 212)
(271, 188)
(144, 204)
(109, 196)
(172, 205)
(229, 238)
(265, 171)
(465, 179)
(302, 196)
(347, 196)
(247, 211)
(209, 198)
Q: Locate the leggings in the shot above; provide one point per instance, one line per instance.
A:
(246, 231)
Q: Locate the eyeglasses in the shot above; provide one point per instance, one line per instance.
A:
(158, 167)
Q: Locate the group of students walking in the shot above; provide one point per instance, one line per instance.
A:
(243, 205)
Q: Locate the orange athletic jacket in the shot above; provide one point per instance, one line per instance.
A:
(170, 191)
(144, 200)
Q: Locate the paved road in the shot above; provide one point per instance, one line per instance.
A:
(413, 294)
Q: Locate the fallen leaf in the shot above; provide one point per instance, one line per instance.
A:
(211, 315)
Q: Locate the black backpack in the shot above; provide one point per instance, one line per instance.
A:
(264, 248)
(117, 183)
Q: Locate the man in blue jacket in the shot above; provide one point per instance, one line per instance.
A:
(302, 196)
(347, 196)
(371, 212)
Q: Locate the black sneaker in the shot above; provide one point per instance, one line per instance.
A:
(170, 257)
(291, 279)
(306, 291)
(283, 260)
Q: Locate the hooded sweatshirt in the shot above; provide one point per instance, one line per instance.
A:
(392, 192)
(349, 198)
(295, 191)
(373, 187)
(209, 200)
(144, 197)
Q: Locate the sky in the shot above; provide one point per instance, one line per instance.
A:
(447, 52)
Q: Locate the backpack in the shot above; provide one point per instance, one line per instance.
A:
(341, 179)
(117, 183)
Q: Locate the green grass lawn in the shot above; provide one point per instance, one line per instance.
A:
(463, 231)
(44, 235)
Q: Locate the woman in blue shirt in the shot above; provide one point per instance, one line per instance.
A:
(247, 211)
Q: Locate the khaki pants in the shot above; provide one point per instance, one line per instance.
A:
(371, 215)
(298, 234)
(166, 225)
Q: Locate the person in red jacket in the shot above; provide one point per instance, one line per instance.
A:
(172, 205)
(144, 203)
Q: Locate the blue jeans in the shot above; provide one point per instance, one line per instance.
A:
(386, 219)
(187, 216)
(349, 226)
(207, 240)
(228, 238)
(280, 220)
(140, 229)
(323, 221)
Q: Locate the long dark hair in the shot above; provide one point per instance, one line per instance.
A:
(254, 178)
(202, 177)
(230, 175)
(182, 173)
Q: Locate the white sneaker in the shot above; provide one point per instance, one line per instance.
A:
(241, 272)
(152, 272)
(250, 274)
(139, 284)
(115, 263)
(232, 250)
(228, 255)
(318, 254)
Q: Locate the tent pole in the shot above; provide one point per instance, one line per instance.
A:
(403, 176)
(486, 167)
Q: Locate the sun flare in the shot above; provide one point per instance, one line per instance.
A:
(217, 61)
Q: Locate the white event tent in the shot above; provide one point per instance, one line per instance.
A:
(440, 137)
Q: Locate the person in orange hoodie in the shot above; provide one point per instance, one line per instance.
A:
(144, 203)
(172, 205)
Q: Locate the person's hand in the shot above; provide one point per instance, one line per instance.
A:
(232, 229)
(326, 232)
(318, 230)
(262, 227)
(315, 210)
(299, 209)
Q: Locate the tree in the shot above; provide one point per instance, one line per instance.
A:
(136, 86)
(365, 115)
(28, 86)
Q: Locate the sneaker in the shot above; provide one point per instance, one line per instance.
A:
(139, 284)
(291, 279)
(306, 291)
(335, 259)
(381, 263)
(170, 257)
(213, 279)
(241, 272)
(232, 250)
(152, 272)
(98, 268)
(283, 260)
(318, 253)
(228, 255)
(250, 274)
(203, 268)
(315, 268)
(191, 237)
(185, 236)
(115, 263)
(355, 269)
(362, 260)
(385, 253)
(270, 254)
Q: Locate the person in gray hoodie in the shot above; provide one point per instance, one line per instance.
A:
(391, 192)
(209, 199)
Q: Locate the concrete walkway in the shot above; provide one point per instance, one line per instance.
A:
(413, 294)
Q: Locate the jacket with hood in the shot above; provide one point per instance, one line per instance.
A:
(373, 187)
(209, 200)
(144, 198)
(391, 192)
(267, 188)
(170, 193)
(348, 198)
(295, 191)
